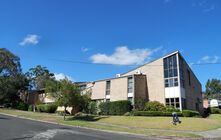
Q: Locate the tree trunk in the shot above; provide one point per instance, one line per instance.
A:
(64, 112)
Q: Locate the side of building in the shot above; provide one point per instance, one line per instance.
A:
(168, 80)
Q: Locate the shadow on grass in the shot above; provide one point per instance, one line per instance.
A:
(90, 118)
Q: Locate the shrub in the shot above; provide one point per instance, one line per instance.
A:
(41, 108)
(22, 106)
(47, 108)
(154, 106)
(215, 110)
(154, 113)
(139, 104)
(104, 108)
(190, 113)
(115, 108)
(172, 109)
(92, 108)
(30, 108)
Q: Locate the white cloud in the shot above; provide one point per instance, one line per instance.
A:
(83, 49)
(61, 76)
(209, 59)
(125, 56)
(30, 40)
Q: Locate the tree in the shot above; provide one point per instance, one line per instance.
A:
(12, 81)
(213, 89)
(39, 76)
(65, 93)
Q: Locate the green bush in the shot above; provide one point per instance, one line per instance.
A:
(92, 108)
(171, 109)
(154, 113)
(47, 108)
(215, 110)
(190, 113)
(115, 108)
(30, 108)
(104, 108)
(154, 106)
(22, 106)
(139, 104)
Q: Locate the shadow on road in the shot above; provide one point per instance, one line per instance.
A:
(2, 118)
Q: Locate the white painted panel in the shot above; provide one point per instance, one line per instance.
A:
(172, 92)
(130, 94)
(107, 96)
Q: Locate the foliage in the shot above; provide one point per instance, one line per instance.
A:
(172, 109)
(12, 81)
(92, 108)
(139, 104)
(213, 89)
(22, 106)
(39, 77)
(30, 108)
(215, 110)
(47, 108)
(67, 94)
(154, 113)
(190, 113)
(104, 108)
(115, 108)
(154, 106)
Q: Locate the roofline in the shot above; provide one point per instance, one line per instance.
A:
(116, 78)
(167, 55)
(190, 68)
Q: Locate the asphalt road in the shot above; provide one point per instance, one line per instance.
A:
(12, 128)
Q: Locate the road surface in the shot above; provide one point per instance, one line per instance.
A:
(12, 128)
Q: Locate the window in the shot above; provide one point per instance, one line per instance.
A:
(171, 82)
(188, 72)
(183, 103)
(108, 84)
(170, 66)
(170, 71)
(173, 102)
(130, 85)
(182, 83)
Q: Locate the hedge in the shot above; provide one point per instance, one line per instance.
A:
(115, 108)
(190, 113)
(154, 113)
(215, 110)
(22, 106)
(47, 108)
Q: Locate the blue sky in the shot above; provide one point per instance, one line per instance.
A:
(118, 32)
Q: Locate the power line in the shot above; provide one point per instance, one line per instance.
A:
(137, 65)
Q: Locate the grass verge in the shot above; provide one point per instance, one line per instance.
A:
(96, 123)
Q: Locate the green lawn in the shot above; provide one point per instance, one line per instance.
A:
(130, 123)
(188, 124)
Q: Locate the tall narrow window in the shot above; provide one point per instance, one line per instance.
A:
(170, 71)
(182, 83)
(130, 85)
(189, 78)
(108, 84)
